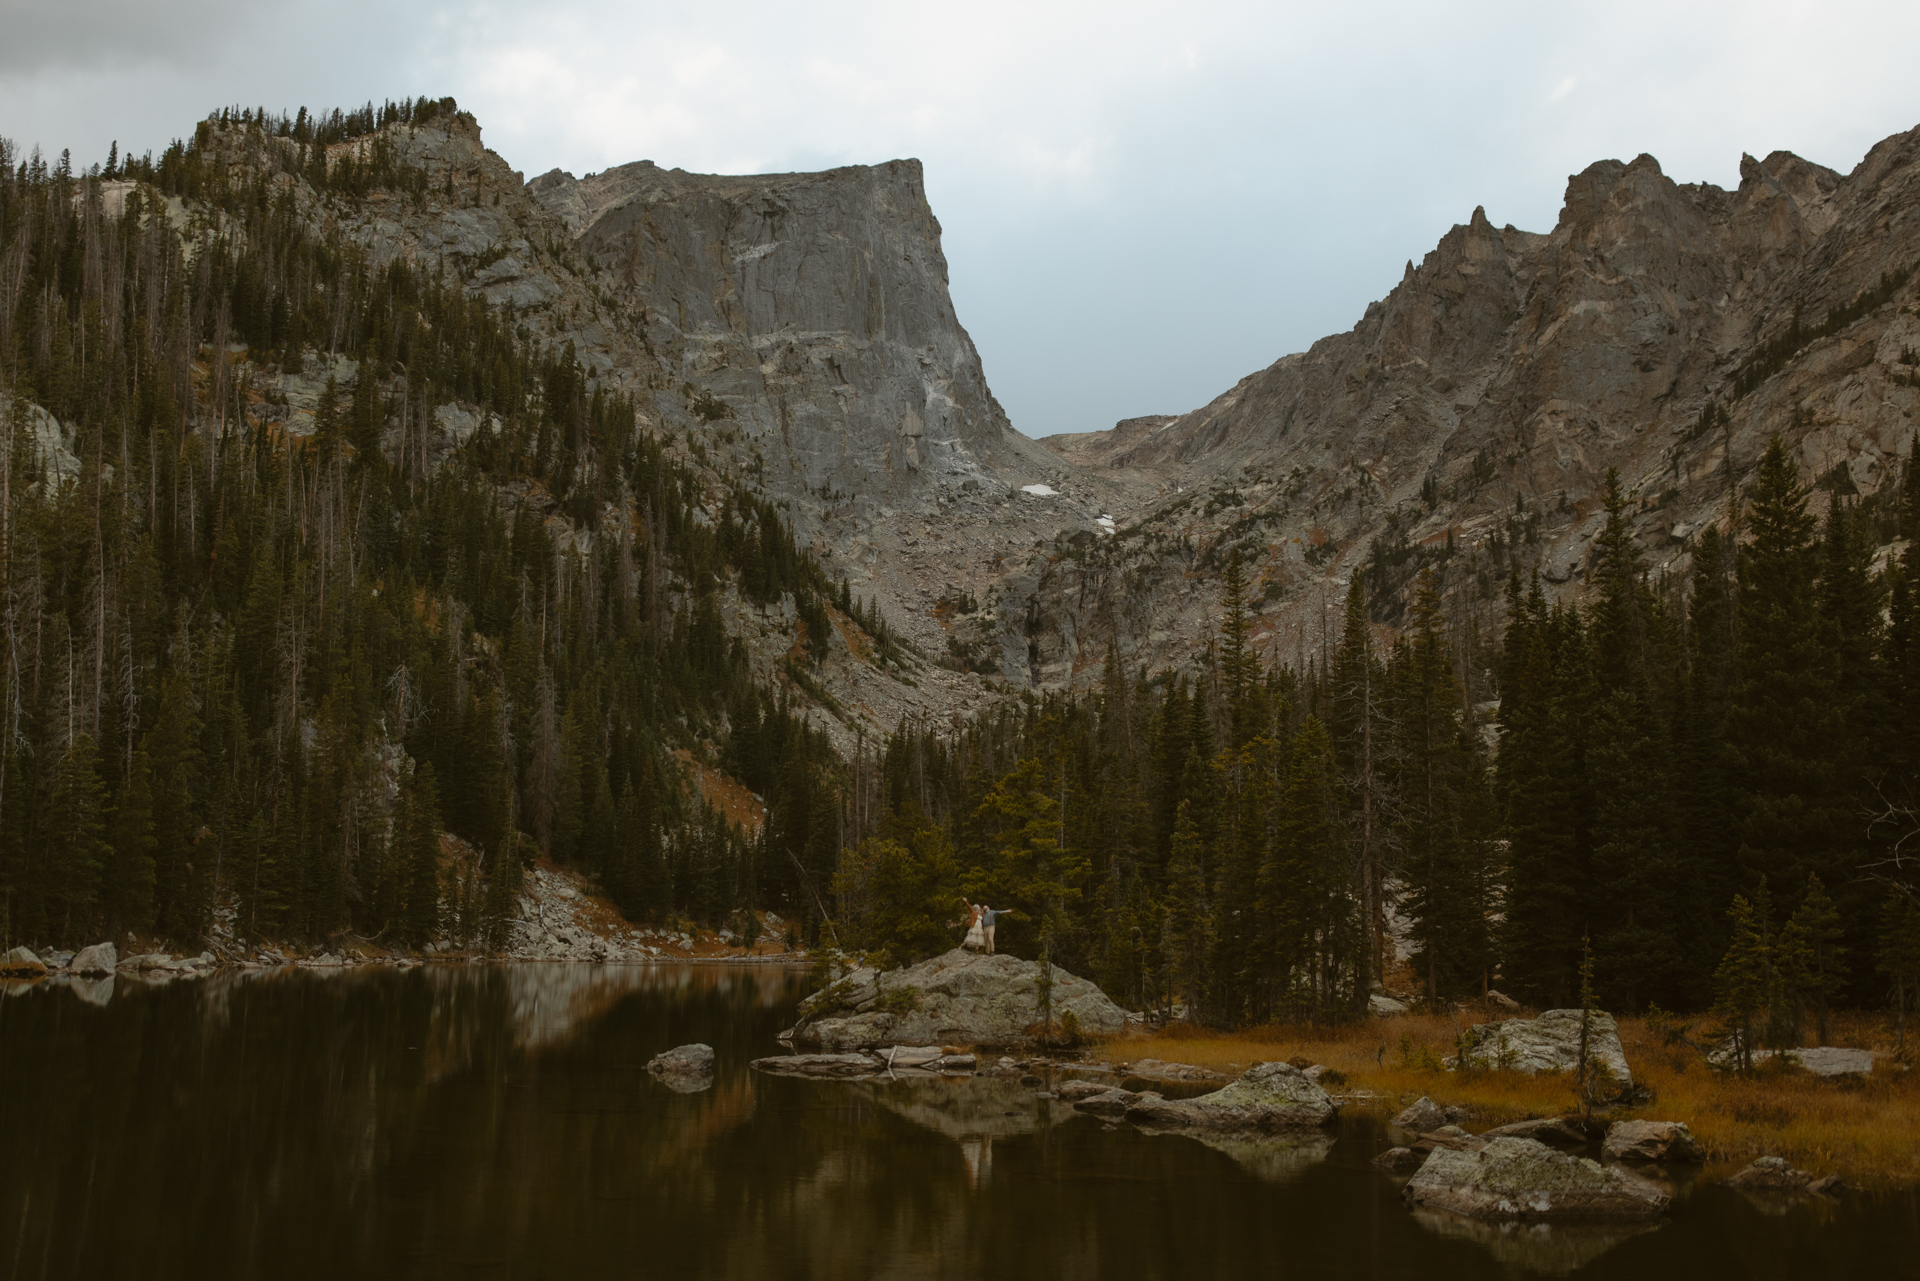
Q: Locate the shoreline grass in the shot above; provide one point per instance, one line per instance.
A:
(1865, 1130)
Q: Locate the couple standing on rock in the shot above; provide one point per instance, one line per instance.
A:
(980, 922)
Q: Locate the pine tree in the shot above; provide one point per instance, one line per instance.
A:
(1781, 725)
(1815, 938)
(76, 844)
(422, 854)
(127, 886)
(1745, 981)
(1188, 931)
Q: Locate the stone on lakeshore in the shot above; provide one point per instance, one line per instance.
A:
(1448, 1136)
(1773, 1174)
(1651, 1141)
(1554, 1131)
(906, 1056)
(819, 1064)
(1399, 1160)
(147, 961)
(959, 998)
(1511, 1178)
(1157, 1070)
(1074, 1091)
(1550, 1043)
(22, 963)
(101, 958)
(1110, 1102)
(1385, 1006)
(1272, 1096)
(1421, 1116)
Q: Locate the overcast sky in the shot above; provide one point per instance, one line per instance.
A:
(1142, 202)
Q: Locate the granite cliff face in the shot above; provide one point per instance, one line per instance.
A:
(814, 307)
(1660, 328)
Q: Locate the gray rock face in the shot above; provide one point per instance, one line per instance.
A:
(957, 998)
(101, 958)
(1550, 1043)
(22, 963)
(1510, 1178)
(686, 1068)
(1651, 1141)
(1421, 1116)
(1273, 1096)
(814, 306)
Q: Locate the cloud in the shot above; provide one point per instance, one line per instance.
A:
(1142, 202)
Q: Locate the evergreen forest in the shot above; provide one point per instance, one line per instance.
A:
(356, 681)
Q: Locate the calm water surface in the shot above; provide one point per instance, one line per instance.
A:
(496, 1122)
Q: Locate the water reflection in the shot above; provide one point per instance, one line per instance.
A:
(498, 1121)
(1553, 1249)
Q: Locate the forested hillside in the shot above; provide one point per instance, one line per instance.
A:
(260, 659)
(1720, 767)
(260, 669)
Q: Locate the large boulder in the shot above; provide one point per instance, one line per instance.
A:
(687, 1069)
(1513, 1178)
(1651, 1141)
(1773, 1174)
(1554, 1131)
(959, 998)
(1550, 1043)
(22, 963)
(1421, 1116)
(101, 958)
(1272, 1096)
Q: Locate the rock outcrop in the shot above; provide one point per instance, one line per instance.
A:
(959, 998)
(1510, 1178)
(1550, 1043)
(1272, 1096)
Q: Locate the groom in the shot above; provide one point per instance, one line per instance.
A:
(988, 916)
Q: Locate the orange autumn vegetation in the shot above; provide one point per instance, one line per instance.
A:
(1863, 1130)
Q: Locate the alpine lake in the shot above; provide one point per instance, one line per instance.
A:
(498, 1121)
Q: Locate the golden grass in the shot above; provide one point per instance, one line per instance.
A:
(1867, 1131)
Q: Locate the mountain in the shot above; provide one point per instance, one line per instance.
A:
(1471, 416)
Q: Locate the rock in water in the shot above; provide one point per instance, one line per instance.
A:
(1110, 1103)
(684, 1061)
(22, 963)
(1550, 1043)
(101, 958)
(1398, 1160)
(1273, 1096)
(1511, 1178)
(1421, 1116)
(1651, 1141)
(958, 998)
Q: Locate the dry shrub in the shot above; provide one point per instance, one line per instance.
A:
(1863, 1130)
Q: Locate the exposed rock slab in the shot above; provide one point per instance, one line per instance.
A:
(1510, 1178)
(1273, 1096)
(1550, 1043)
(958, 998)
(1651, 1141)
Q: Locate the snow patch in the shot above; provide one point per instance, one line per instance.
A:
(1040, 491)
